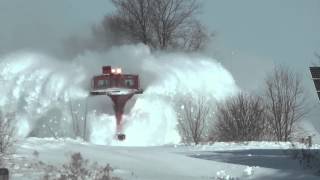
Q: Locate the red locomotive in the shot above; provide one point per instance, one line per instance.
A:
(119, 87)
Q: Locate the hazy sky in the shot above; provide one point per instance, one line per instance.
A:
(254, 35)
(284, 32)
(44, 24)
(250, 35)
(247, 31)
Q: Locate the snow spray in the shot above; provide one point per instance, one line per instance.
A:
(41, 90)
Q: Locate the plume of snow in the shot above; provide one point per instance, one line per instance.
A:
(39, 89)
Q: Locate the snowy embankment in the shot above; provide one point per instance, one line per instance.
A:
(254, 160)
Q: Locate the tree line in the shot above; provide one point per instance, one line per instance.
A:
(272, 115)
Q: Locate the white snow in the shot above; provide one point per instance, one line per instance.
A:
(248, 171)
(170, 162)
(39, 90)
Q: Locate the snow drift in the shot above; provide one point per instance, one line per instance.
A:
(39, 90)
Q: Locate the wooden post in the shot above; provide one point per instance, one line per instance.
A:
(309, 141)
(4, 174)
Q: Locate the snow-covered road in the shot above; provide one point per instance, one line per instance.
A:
(254, 160)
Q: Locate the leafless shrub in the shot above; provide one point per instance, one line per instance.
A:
(241, 118)
(160, 24)
(6, 135)
(74, 119)
(78, 169)
(285, 102)
(193, 117)
(79, 118)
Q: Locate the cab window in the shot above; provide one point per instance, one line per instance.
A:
(102, 83)
(129, 82)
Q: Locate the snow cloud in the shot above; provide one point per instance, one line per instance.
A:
(39, 90)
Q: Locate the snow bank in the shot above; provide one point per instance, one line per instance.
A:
(223, 146)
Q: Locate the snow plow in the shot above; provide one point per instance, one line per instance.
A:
(120, 88)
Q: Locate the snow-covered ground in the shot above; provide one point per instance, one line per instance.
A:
(46, 94)
(253, 160)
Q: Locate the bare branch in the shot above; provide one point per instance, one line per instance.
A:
(241, 118)
(193, 117)
(285, 102)
(160, 24)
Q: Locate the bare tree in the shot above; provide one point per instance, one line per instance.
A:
(171, 19)
(132, 21)
(6, 132)
(285, 102)
(241, 118)
(74, 119)
(79, 115)
(195, 37)
(6, 135)
(193, 115)
(160, 24)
